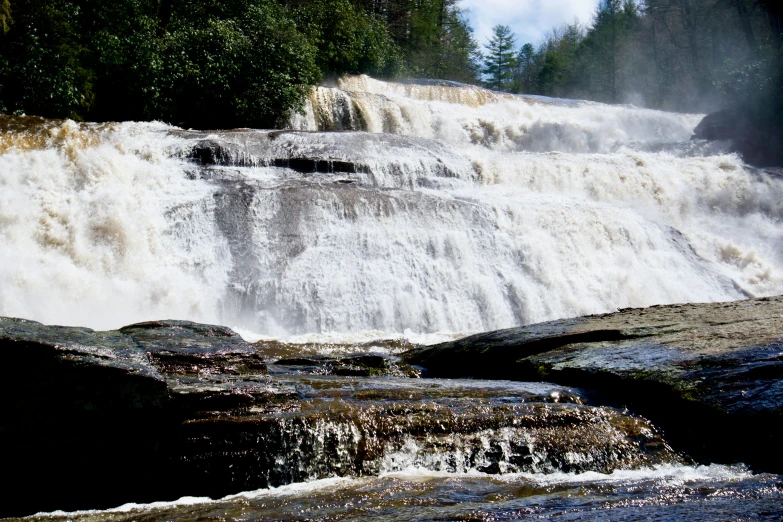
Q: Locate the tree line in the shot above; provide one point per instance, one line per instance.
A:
(682, 55)
(215, 63)
(230, 63)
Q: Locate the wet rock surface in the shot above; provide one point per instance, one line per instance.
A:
(710, 375)
(86, 413)
(160, 410)
(333, 153)
(752, 135)
(372, 365)
(310, 427)
(182, 347)
(670, 493)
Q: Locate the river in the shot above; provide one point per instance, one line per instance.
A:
(417, 212)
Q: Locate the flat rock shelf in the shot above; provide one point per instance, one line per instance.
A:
(167, 409)
(708, 374)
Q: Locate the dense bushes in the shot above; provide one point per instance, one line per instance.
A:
(348, 39)
(247, 69)
(41, 59)
(208, 64)
(199, 64)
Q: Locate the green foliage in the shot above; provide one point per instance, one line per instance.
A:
(41, 69)
(441, 44)
(602, 48)
(125, 53)
(204, 64)
(500, 61)
(684, 55)
(249, 70)
(553, 74)
(558, 61)
(216, 63)
(348, 39)
(434, 36)
(525, 79)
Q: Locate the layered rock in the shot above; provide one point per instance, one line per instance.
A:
(165, 409)
(86, 413)
(709, 374)
(160, 410)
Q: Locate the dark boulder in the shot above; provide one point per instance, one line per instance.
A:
(721, 125)
(710, 375)
(87, 414)
(83, 412)
(758, 140)
(182, 347)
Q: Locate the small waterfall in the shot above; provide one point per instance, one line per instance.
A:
(436, 208)
(368, 427)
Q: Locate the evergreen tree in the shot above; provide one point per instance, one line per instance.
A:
(500, 62)
(434, 35)
(604, 43)
(526, 70)
(558, 61)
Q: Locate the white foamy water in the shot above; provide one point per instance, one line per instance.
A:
(470, 115)
(299, 488)
(99, 228)
(670, 474)
(662, 475)
(473, 211)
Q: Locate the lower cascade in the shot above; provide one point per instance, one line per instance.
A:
(287, 324)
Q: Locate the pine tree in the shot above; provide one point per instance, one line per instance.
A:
(526, 70)
(500, 62)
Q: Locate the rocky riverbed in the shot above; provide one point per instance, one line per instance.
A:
(709, 374)
(161, 410)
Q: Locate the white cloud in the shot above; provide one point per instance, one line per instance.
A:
(529, 19)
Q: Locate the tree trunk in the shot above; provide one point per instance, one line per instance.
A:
(690, 29)
(747, 28)
(657, 61)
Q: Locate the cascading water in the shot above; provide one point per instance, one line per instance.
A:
(438, 210)
(458, 210)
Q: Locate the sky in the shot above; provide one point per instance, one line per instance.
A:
(529, 19)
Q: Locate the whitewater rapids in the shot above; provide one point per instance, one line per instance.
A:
(471, 211)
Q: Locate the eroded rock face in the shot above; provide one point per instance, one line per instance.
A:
(711, 375)
(338, 426)
(165, 409)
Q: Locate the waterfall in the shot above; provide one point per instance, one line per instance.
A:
(437, 209)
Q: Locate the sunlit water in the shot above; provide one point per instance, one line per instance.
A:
(479, 211)
(469, 211)
(708, 493)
